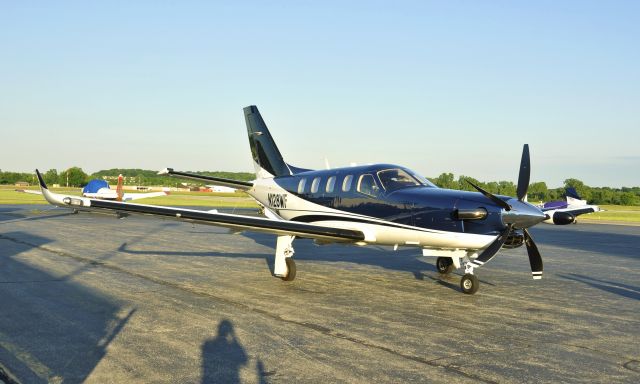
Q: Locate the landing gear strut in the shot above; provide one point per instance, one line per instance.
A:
(285, 267)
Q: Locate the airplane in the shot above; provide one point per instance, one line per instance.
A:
(567, 212)
(99, 189)
(381, 204)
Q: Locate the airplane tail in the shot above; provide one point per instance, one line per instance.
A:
(571, 192)
(266, 157)
(119, 191)
(572, 197)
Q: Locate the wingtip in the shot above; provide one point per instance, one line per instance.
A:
(43, 185)
(165, 171)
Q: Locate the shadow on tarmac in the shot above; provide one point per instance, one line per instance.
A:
(51, 329)
(404, 260)
(614, 287)
(223, 356)
(606, 239)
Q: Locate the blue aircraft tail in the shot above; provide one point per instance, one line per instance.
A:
(266, 157)
(571, 192)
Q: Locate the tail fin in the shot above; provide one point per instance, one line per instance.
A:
(571, 192)
(266, 156)
(119, 191)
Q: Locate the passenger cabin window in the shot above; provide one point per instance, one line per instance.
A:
(394, 179)
(367, 185)
(330, 184)
(346, 183)
(315, 184)
(301, 185)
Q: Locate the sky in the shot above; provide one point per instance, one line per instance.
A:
(436, 86)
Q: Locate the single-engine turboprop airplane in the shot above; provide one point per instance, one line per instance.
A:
(380, 204)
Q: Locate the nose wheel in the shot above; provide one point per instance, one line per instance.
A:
(469, 284)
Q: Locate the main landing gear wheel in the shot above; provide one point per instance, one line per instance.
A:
(444, 265)
(291, 269)
(469, 284)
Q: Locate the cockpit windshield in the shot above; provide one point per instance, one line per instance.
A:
(397, 178)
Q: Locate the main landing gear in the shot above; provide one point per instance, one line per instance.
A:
(291, 269)
(285, 267)
(469, 283)
(444, 265)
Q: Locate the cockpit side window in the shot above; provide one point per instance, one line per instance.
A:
(367, 185)
(396, 178)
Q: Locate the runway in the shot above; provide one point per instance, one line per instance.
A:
(91, 298)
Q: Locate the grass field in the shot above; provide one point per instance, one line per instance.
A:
(618, 213)
(8, 195)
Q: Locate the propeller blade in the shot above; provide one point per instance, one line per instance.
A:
(491, 196)
(525, 173)
(534, 255)
(493, 248)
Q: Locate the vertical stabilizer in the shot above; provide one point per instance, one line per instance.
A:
(571, 192)
(266, 156)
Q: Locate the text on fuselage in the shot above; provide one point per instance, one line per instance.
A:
(277, 200)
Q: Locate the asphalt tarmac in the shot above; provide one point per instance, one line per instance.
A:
(91, 298)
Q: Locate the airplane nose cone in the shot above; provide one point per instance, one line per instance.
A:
(522, 215)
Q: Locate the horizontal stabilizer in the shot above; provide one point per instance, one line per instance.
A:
(237, 184)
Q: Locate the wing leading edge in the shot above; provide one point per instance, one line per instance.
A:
(249, 223)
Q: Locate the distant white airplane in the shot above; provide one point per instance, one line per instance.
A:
(99, 189)
(566, 212)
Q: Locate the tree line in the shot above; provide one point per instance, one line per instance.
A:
(538, 191)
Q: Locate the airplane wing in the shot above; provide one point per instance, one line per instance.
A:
(242, 185)
(136, 196)
(29, 191)
(238, 222)
(578, 211)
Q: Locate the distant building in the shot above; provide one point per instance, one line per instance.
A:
(21, 184)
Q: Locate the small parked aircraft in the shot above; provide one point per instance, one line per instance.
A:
(380, 204)
(567, 211)
(99, 189)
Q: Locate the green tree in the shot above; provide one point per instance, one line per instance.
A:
(538, 191)
(627, 198)
(75, 177)
(446, 180)
(51, 177)
(463, 183)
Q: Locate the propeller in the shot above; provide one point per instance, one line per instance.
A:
(525, 174)
(534, 255)
(493, 248)
(523, 185)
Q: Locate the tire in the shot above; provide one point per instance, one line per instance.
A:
(469, 284)
(291, 269)
(444, 265)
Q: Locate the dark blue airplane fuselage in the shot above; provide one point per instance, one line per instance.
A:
(425, 206)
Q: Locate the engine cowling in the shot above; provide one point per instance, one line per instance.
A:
(560, 218)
